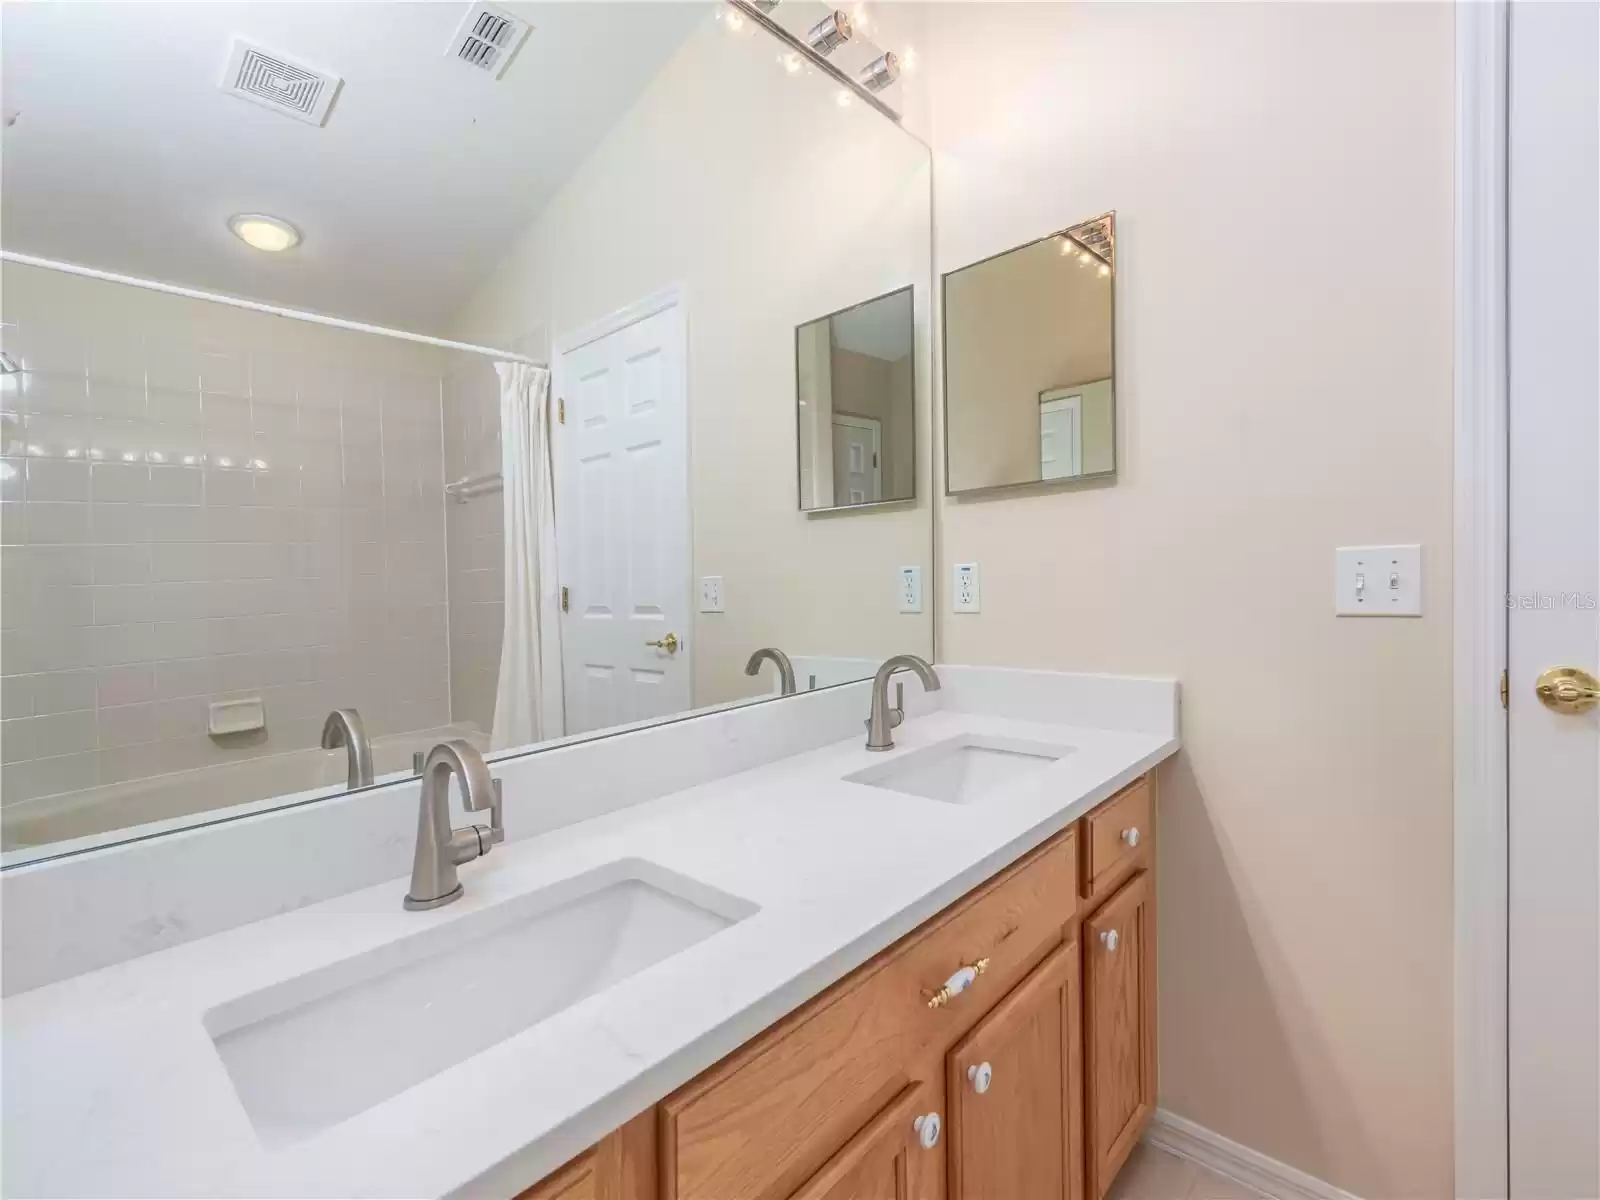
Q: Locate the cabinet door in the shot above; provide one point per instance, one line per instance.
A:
(888, 1159)
(1014, 1088)
(575, 1181)
(1119, 1027)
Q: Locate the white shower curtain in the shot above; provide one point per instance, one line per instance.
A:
(527, 704)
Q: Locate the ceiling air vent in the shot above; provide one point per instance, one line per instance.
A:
(487, 38)
(279, 83)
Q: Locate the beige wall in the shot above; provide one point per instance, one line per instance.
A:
(1015, 327)
(200, 503)
(1282, 180)
(770, 205)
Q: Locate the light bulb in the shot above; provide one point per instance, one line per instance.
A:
(843, 98)
(1104, 270)
(735, 22)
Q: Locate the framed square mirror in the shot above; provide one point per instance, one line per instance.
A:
(855, 393)
(1029, 363)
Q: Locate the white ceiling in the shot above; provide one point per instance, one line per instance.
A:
(881, 328)
(126, 156)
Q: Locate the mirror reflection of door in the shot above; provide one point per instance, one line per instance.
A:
(857, 472)
(622, 520)
(1060, 434)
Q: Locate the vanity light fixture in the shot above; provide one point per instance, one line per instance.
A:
(880, 72)
(264, 232)
(828, 34)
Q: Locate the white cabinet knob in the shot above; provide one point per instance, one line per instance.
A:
(1109, 940)
(981, 1076)
(927, 1127)
(1131, 836)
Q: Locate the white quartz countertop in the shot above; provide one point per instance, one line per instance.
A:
(114, 1088)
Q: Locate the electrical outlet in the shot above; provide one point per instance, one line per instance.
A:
(910, 589)
(711, 593)
(967, 595)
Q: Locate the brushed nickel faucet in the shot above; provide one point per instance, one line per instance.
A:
(344, 728)
(440, 849)
(779, 660)
(883, 718)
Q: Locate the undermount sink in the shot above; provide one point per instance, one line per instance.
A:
(961, 770)
(316, 1050)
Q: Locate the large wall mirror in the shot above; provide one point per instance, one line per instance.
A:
(222, 524)
(1029, 376)
(855, 389)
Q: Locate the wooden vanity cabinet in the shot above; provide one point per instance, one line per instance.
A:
(1015, 1088)
(886, 1160)
(1120, 1027)
(1032, 1083)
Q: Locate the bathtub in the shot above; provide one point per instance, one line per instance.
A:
(69, 821)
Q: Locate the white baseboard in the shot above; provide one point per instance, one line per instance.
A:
(1271, 1178)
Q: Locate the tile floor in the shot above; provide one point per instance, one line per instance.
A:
(1153, 1174)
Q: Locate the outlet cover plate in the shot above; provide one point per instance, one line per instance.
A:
(910, 589)
(711, 593)
(966, 593)
(1378, 581)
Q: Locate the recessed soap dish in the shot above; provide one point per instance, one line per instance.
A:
(236, 716)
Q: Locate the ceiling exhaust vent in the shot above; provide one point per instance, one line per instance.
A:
(487, 38)
(279, 83)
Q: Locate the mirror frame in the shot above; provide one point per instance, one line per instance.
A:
(1067, 483)
(799, 450)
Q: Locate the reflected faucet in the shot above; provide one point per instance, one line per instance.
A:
(884, 718)
(440, 849)
(781, 661)
(344, 728)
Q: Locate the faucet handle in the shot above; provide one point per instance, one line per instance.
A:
(497, 815)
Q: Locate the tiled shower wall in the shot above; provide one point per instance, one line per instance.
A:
(199, 502)
(474, 531)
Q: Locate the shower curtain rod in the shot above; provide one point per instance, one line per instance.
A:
(294, 314)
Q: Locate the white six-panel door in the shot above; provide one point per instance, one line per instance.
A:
(1553, 865)
(622, 519)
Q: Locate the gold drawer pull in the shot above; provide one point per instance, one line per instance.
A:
(958, 983)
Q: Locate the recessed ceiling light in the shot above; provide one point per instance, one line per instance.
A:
(264, 232)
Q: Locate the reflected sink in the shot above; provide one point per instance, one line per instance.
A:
(316, 1050)
(962, 770)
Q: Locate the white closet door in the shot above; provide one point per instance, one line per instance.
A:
(622, 523)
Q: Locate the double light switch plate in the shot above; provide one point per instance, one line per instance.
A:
(1378, 581)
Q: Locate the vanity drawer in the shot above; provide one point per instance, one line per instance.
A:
(1116, 833)
(759, 1123)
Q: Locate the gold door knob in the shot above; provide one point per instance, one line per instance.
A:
(668, 643)
(1568, 690)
